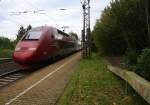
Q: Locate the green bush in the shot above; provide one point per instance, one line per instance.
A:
(6, 43)
(130, 59)
(6, 53)
(139, 63)
(143, 64)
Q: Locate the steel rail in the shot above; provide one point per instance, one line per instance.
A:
(5, 59)
(10, 72)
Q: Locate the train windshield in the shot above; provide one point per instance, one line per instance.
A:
(33, 35)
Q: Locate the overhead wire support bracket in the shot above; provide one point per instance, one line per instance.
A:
(86, 32)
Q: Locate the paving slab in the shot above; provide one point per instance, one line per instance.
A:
(43, 87)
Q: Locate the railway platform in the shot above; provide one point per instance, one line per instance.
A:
(42, 87)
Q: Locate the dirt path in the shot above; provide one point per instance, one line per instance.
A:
(116, 60)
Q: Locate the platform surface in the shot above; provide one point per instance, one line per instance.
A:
(43, 87)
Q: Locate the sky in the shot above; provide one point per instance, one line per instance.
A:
(11, 20)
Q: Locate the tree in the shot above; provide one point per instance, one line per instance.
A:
(29, 28)
(73, 35)
(6, 43)
(122, 25)
(20, 33)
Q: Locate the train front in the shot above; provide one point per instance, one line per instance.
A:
(26, 50)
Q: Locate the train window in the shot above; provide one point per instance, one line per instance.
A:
(58, 35)
(33, 35)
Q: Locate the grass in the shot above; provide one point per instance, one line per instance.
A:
(5, 53)
(94, 84)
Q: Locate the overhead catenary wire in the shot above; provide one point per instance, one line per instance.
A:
(8, 18)
(33, 6)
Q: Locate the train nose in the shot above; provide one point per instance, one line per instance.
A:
(21, 57)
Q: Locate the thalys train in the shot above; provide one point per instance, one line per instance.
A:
(42, 44)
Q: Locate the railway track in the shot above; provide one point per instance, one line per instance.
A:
(10, 77)
(9, 72)
(8, 67)
(4, 60)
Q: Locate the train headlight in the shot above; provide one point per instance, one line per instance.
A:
(17, 48)
(32, 49)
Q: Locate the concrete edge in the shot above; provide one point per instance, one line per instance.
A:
(139, 84)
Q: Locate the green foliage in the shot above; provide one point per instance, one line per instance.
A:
(93, 47)
(130, 59)
(73, 35)
(139, 63)
(29, 28)
(94, 84)
(6, 43)
(122, 25)
(143, 64)
(5, 53)
(122, 29)
(22, 31)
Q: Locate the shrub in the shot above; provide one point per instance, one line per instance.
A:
(143, 64)
(130, 59)
(6, 43)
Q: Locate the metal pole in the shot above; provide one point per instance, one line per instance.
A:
(147, 19)
(86, 38)
(89, 30)
(83, 33)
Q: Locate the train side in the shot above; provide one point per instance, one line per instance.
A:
(41, 44)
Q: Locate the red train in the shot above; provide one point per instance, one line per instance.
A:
(41, 44)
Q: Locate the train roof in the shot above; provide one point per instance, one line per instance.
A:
(61, 32)
(42, 28)
(49, 27)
